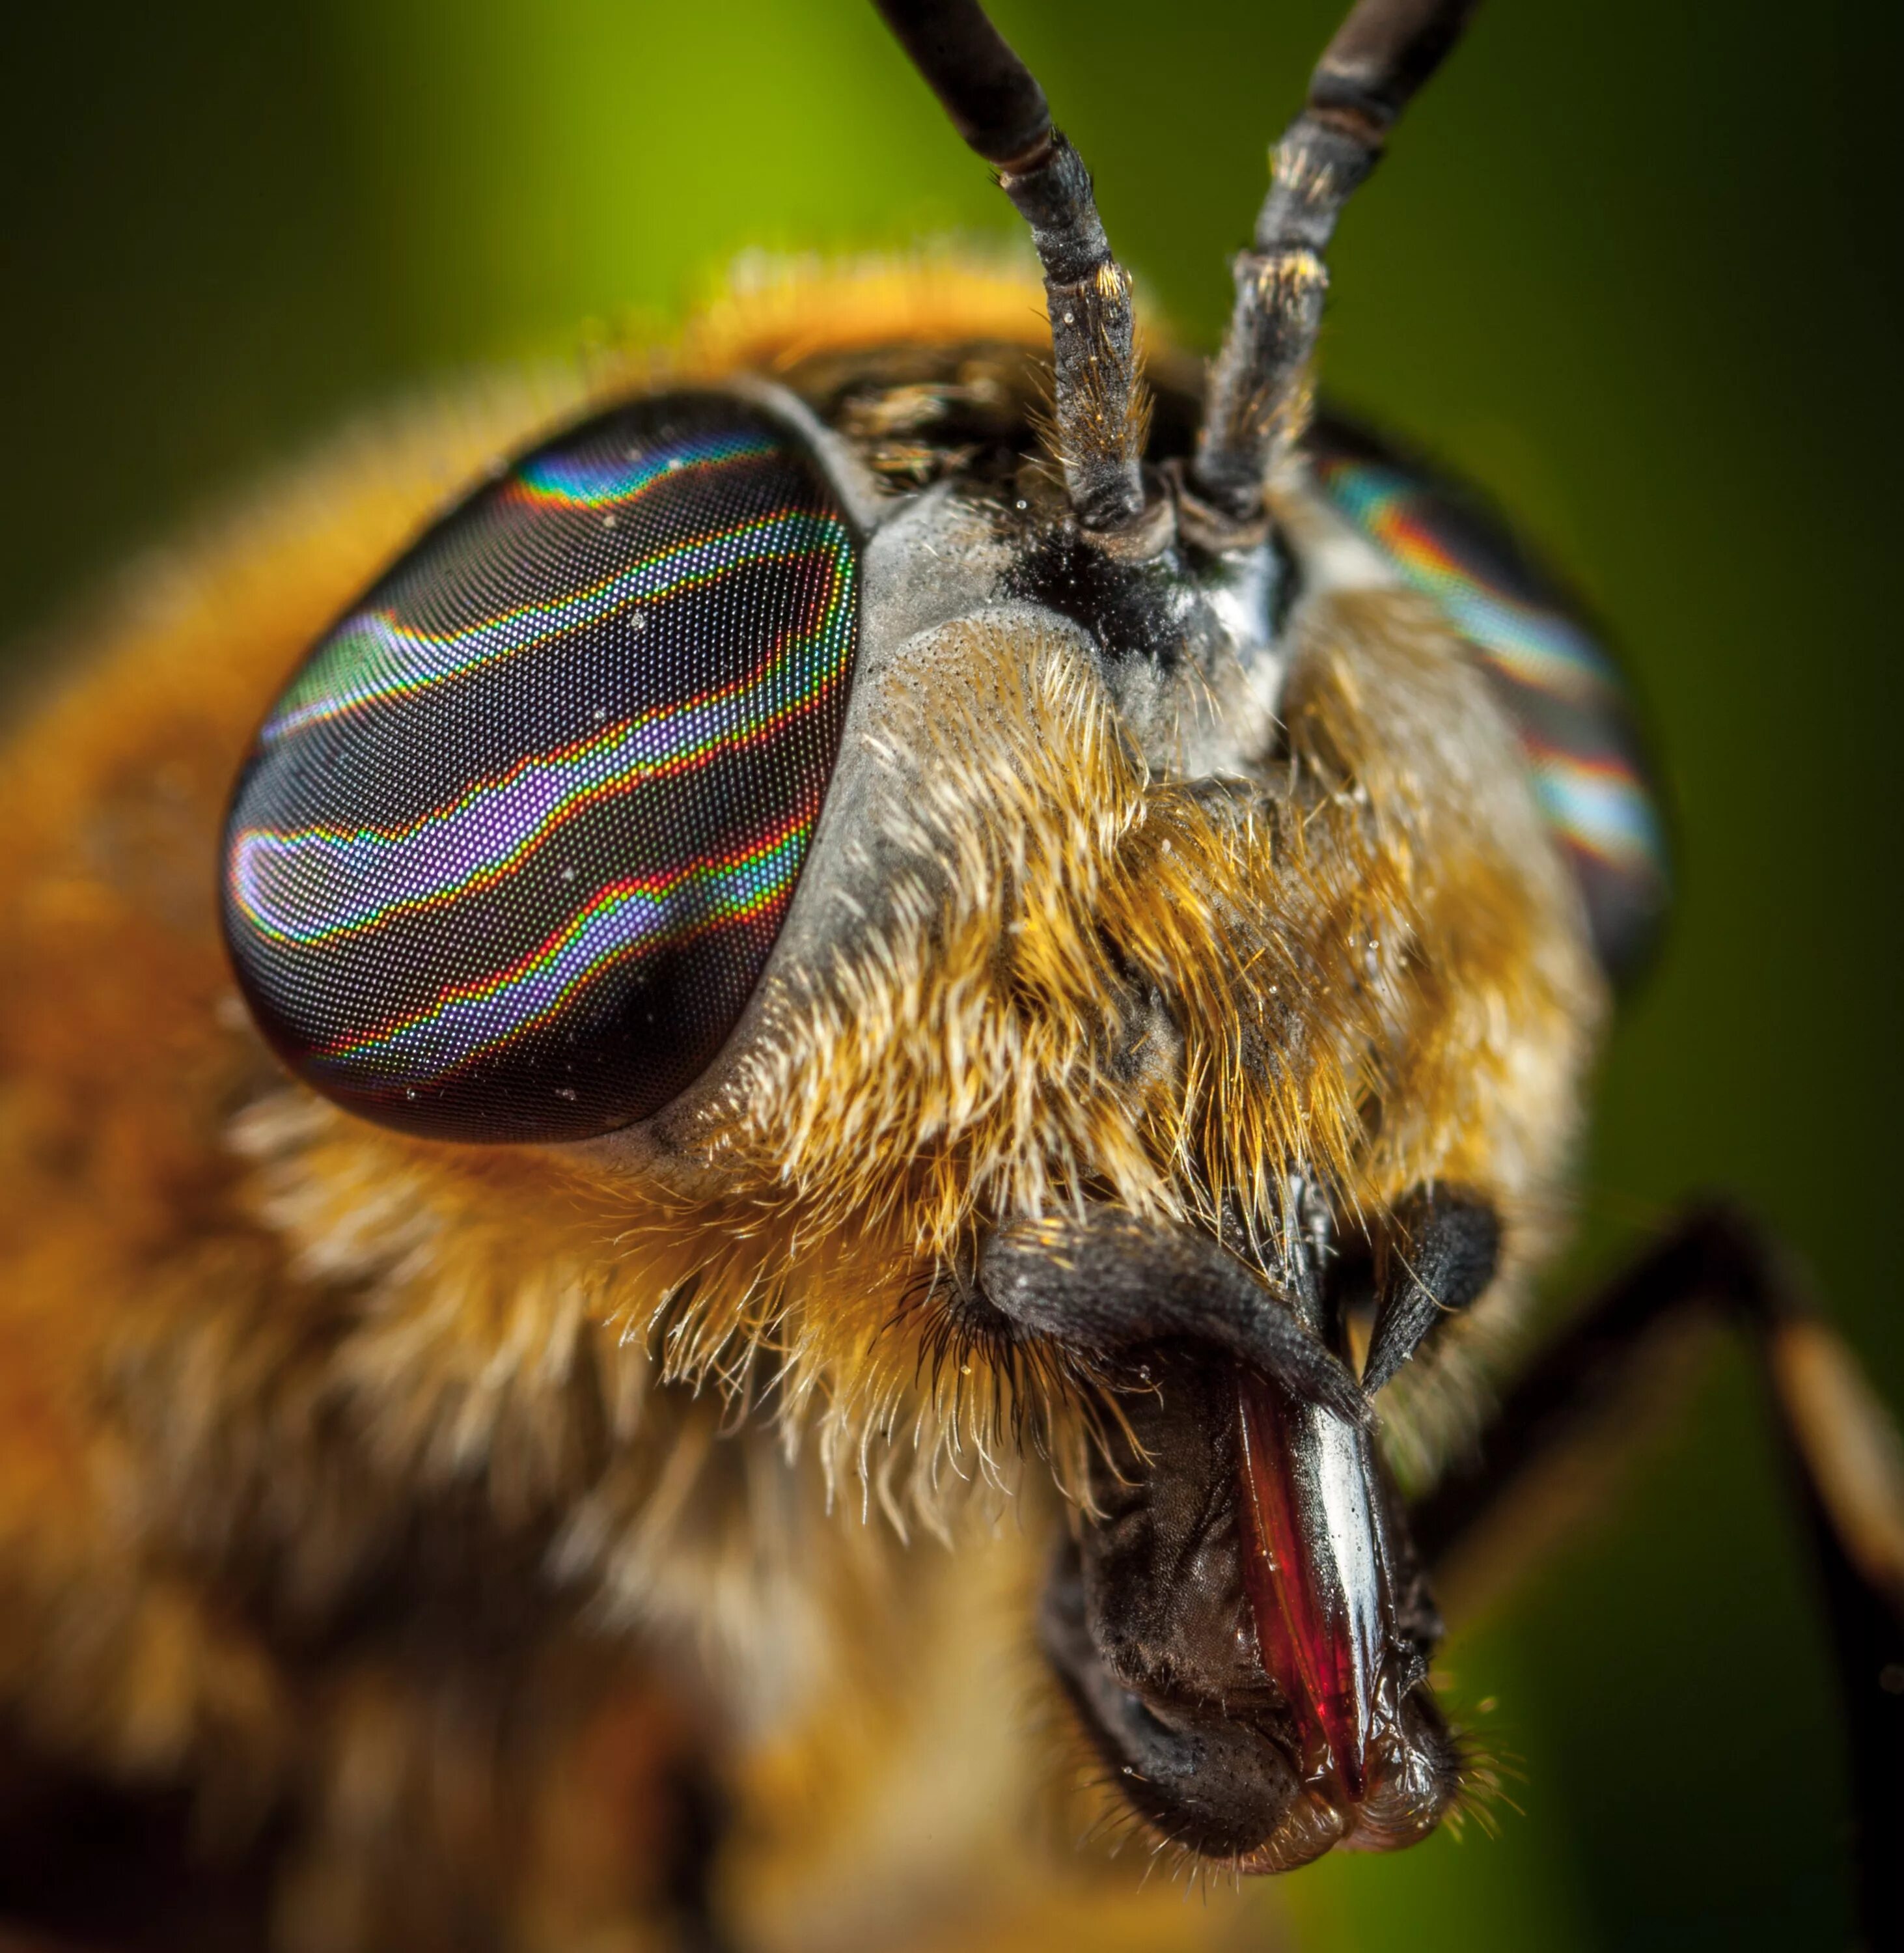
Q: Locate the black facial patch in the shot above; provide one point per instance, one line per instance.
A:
(1160, 610)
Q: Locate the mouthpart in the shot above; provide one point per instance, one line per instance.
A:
(1243, 1629)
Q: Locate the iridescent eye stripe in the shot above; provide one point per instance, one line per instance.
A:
(1564, 692)
(406, 661)
(547, 481)
(1593, 803)
(1535, 647)
(338, 881)
(626, 918)
(512, 849)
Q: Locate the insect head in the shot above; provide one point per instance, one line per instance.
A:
(625, 753)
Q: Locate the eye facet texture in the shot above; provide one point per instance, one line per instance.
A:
(512, 848)
(1562, 689)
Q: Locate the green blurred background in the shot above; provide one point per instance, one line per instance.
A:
(1633, 267)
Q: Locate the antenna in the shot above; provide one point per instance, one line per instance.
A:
(1258, 399)
(1101, 408)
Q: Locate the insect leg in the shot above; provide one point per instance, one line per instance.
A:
(1840, 1441)
(1099, 402)
(1106, 1283)
(1257, 399)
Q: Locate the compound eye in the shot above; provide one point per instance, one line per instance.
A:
(510, 852)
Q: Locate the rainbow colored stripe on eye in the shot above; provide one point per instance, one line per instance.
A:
(1594, 798)
(317, 884)
(1587, 784)
(562, 481)
(372, 658)
(626, 920)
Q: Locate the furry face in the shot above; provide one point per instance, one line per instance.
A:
(1245, 932)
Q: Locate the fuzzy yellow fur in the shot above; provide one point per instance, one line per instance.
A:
(251, 1352)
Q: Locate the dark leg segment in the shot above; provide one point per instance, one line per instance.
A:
(1838, 1439)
